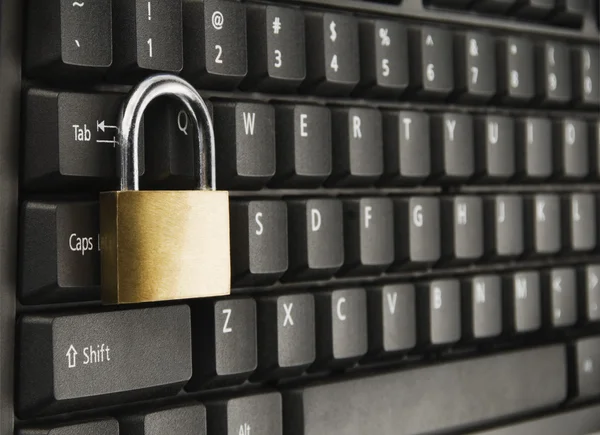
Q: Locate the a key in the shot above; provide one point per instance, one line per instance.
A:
(554, 72)
(504, 223)
(407, 146)
(277, 56)
(247, 132)
(77, 361)
(475, 66)
(579, 214)
(585, 360)
(543, 217)
(590, 303)
(368, 235)
(259, 237)
(482, 299)
(571, 150)
(496, 154)
(148, 37)
(384, 57)
(431, 54)
(453, 156)
(182, 420)
(250, 415)
(303, 145)
(534, 148)
(515, 61)
(224, 349)
(560, 294)
(59, 252)
(463, 232)
(586, 75)
(523, 302)
(286, 335)
(107, 426)
(392, 318)
(357, 147)
(68, 39)
(537, 9)
(440, 311)
(215, 49)
(341, 327)
(317, 237)
(332, 42)
(417, 231)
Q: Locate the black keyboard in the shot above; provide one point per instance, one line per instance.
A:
(414, 217)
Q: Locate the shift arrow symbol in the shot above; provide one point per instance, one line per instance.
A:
(72, 355)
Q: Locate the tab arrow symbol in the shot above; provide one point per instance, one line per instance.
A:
(102, 126)
(72, 355)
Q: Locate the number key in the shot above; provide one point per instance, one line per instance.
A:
(587, 75)
(516, 69)
(554, 81)
(432, 69)
(476, 65)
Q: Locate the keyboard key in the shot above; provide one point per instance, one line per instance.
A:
(479, 385)
(453, 148)
(384, 57)
(571, 11)
(317, 235)
(505, 224)
(77, 361)
(561, 297)
(463, 233)
(303, 145)
(182, 420)
(537, 9)
(246, 132)
(585, 359)
(441, 312)
(554, 72)
(579, 210)
(590, 308)
(76, 42)
(259, 414)
(483, 307)
(534, 148)
(516, 69)
(586, 73)
(277, 53)
(571, 157)
(332, 45)
(496, 153)
(97, 427)
(224, 346)
(392, 318)
(59, 252)
(357, 147)
(542, 214)
(475, 66)
(418, 232)
(494, 6)
(286, 335)
(523, 302)
(431, 54)
(148, 38)
(341, 327)
(215, 49)
(259, 239)
(407, 146)
(368, 235)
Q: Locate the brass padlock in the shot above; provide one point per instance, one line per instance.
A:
(164, 245)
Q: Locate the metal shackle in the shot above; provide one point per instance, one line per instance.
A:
(131, 118)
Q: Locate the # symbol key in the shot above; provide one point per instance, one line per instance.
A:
(384, 36)
(276, 25)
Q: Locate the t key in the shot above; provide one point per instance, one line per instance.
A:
(431, 52)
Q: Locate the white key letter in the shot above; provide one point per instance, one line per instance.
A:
(315, 215)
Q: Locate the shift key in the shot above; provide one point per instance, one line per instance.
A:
(82, 361)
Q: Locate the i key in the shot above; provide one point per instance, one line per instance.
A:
(534, 148)
(148, 37)
(475, 65)
(431, 52)
(554, 73)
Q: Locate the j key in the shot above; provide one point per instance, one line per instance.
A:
(317, 235)
(259, 238)
(496, 151)
(560, 294)
(303, 145)
(70, 140)
(369, 235)
(571, 149)
(59, 252)
(250, 415)
(571, 11)
(516, 69)
(523, 302)
(342, 324)
(482, 299)
(357, 146)
(384, 57)
(441, 312)
(418, 233)
(277, 57)
(286, 334)
(148, 37)
(65, 37)
(543, 217)
(475, 66)
(247, 132)
(535, 8)
(579, 214)
(215, 52)
(225, 351)
(585, 360)
(504, 218)
(332, 42)
(407, 146)
(453, 148)
(586, 61)
(182, 420)
(463, 233)
(98, 427)
(392, 318)
(590, 304)
(534, 148)
(554, 72)
(77, 361)
(431, 53)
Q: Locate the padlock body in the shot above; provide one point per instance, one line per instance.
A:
(164, 245)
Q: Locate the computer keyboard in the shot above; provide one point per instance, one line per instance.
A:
(414, 217)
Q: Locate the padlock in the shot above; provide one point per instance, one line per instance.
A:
(164, 245)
